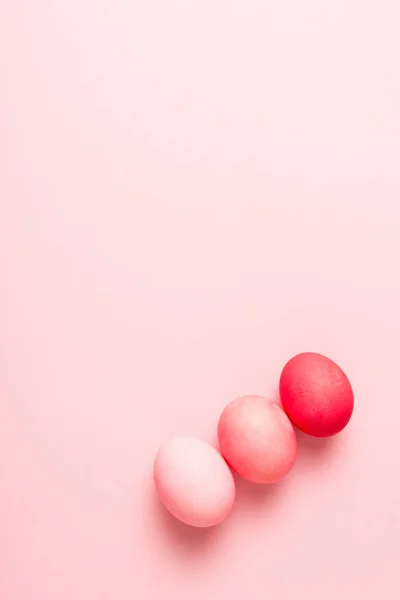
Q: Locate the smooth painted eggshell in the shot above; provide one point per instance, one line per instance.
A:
(194, 482)
(316, 394)
(257, 439)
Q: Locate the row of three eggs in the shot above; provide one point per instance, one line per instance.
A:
(256, 438)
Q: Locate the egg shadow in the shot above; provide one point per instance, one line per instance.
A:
(314, 454)
(183, 539)
(309, 445)
(251, 497)
(318, 454)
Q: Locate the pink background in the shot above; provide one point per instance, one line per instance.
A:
(193, 191)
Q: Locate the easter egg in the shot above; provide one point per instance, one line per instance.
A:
(316, 394)
(257, 439)
(194, 482)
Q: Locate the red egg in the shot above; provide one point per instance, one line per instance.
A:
(316, 394)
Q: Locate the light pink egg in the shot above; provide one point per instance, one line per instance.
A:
(257, 439)
(194, 482)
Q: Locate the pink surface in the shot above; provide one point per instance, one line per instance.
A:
(192, 193)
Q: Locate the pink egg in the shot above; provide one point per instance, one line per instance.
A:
(316, 394)
(194, 482)
(257, 439)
